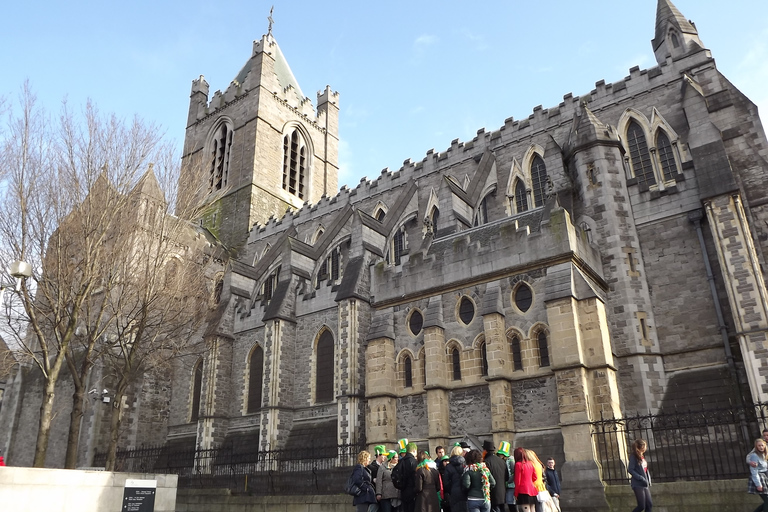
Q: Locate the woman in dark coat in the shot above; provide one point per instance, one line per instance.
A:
(362, 478)
(456, 495)
(427, 485)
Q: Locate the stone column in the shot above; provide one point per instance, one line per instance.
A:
(274, 420)
(744, 284)
(586, 385)
(216, 393)
(494, 326)
(438, 397)
(381, 381)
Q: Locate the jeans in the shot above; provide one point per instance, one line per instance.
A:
(644, 502)
(479, 506)
(385, 506)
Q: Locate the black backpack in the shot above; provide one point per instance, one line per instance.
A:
(398, 476)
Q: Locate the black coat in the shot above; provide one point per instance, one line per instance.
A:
(553, 481)
(457, 495)
(408, 493)
(500, 473)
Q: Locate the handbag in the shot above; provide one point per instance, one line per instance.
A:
(543, 496)
(352, 488)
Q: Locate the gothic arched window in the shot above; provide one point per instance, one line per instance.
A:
(456, 363)
(255, 376)
(324, 368)
(543, 349)
(408, 371)
(517, 352)
(295, 156)
(639, 156)
(220, 146)
(666, 156)
(484, 356)
(539, 180)
(197, 387)
(521, 197)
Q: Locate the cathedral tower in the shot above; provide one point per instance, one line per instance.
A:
(259, 148)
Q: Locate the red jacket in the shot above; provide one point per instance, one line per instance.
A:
(2, 461)
(525, 475)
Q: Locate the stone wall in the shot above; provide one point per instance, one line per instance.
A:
(33, 490)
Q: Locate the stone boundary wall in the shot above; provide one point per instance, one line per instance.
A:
(71, 490)
(221, 500)
(708, 496)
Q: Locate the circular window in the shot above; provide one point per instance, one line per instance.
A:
(466, 310)
(415, 322)
(523, 297)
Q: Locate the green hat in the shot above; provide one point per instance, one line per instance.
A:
(402, 444)
(503, 449)
(380, 450)
(444, 457)
(391, 454)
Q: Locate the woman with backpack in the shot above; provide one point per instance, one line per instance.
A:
(362, 484)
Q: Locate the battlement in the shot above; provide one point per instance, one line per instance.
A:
(445, 262)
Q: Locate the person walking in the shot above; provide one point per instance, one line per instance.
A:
(758, 473)
(641, 479)
(478, 481)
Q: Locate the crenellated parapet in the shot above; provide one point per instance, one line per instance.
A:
(498, 249)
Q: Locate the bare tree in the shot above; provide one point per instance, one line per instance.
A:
(163, 287)
(65, 192)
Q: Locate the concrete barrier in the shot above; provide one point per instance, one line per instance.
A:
(71, 490)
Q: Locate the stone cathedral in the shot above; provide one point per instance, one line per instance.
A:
(602, 256)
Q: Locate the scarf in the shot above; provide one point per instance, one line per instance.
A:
(484, 473)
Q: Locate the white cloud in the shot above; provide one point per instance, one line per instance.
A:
(425, 40)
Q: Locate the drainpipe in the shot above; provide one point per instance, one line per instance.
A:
(695, 217)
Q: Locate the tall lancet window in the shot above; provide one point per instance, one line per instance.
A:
(639, 156)
(295, 162)
(220, 146)
(539, 180)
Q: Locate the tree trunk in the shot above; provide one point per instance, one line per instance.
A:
(44, 425)
(75, 419)
(116, 419)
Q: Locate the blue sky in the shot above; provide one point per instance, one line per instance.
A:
(412, 75)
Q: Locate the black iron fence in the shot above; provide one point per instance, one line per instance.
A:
(699, 444)
(316, 470)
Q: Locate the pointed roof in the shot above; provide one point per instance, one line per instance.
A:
(148, 186)
(282, 69)
(666, 12)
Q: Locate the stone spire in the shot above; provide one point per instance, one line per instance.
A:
(675, 35)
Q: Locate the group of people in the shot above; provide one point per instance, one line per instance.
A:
(465, 480)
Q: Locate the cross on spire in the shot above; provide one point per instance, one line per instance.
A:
(271, 21)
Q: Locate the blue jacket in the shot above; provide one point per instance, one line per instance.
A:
(362, 478)
(640, 478)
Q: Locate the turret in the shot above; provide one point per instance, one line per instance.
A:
(675, 35)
